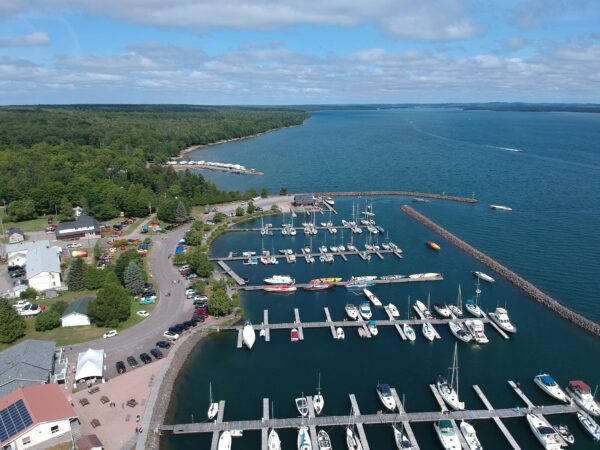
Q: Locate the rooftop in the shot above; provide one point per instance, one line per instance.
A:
(79, 306)
(83, 222)
(26, 363)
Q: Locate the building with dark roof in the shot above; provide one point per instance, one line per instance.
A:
(27, 363)
(304, 200)
(15, 235)
(35, 416)
(83, 227)
(75, 314)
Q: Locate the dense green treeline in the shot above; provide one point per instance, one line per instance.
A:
(106, 159)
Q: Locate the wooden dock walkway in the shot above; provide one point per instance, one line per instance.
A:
(438, 398)
(497, 421)
(298, 324)
(398, 327)
(215, 436)
(343, 283)
(521, 394)
(406, 423)
(264, 433)
(266, 325)
(302, 254)
(359, 426)
(328, 319)
(451, 198)
(229, 271)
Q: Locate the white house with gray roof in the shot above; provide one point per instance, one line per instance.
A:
(41, 262)
(26, 363)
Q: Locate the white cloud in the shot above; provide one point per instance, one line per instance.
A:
(434, 20)
(36, 38)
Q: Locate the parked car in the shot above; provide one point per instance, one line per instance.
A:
(171, 335)
(120, 365)
(21, 304)
(145, 357)
(147, 301)
(176, 329)
(163, 344)
(110, 334)
(198, 319)
(190, 323)
(156, 353)
(74, 245)
(31, 310)
(183, 326)
(143, 313)
(132, 362)
(17, 273)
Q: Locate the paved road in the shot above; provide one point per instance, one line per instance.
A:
(169, 309)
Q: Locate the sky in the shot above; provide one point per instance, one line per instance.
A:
(299, 51)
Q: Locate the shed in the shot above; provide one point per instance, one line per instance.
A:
(89, 364)
(15, 235)
(76, 313)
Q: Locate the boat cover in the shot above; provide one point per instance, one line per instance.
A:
(578, 384)
(547, 380)
(384, 388)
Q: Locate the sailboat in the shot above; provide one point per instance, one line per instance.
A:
(213, 407)
(428, 331)
(304, 442)
(224, 441)
(449, 391)
(323, 440)
(457, 309)
(248, 335)
(302, 405)
(409, 331)
(273, 441)
(459, 331)
(318, 400)
(352, 440)
(472, 306)
(402, 442)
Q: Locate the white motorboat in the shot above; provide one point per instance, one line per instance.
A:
(279, 279)
(363, 278)
(352, 440)
(422, 310)
(500, 318)
(213, 407)
(372, 326)
(273, 442)
(302, 405)
(428, 331)
(323, 440)
(402, 441)
(248, 335)
(547, 435)
(582, 394)
(339, 334)
(589, 425)
(385, 396)
(449, 390)
(329, 201)
(501, 207)
(565, 433)
(419, 276)
(304, 442)
(550, 387)
(372, 297)
(318, 399)
(483, 276)
(442, 310)
(393, 310)
(468, 431)
(459, 331)
(351, 311)
(365, 310)
(447, 436)
(409, 332)
(477, 330)
(224, 441)
(292, 231)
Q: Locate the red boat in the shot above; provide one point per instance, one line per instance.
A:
(433, 246)
(279, 288)
(294, 335)
(318, 286)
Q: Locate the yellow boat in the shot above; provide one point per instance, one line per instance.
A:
(331, 280)
(433, 246)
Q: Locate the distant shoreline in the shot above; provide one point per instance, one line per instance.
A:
(191, 148)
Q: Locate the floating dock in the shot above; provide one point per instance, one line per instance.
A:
(451, 198)
(508, 274)
(343, 283)
(497, 421)
(229, 271)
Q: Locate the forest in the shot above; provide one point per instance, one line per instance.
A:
(107, 158)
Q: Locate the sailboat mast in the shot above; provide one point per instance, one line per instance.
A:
(454, 372)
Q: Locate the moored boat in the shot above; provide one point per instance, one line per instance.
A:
(446, 434)
(294, 336)
(449, 390)
(318, 399)
(477, 329)
(546, 435)
(323, 440)
(224, 441)
(442, 310)
(433, 246)
(351, 311)
(339, 333)
(582, 394)
(393, 310)
(280, 288)
(365, 310)
(547, 384)
(248, 335)
(372, 297)
(302, 405)
(428, 331)
(473, 309)
(500, 318)
(424, 276)
(385, 396)
(422, 310)
(483, 276)
(458, 330)
(280, 279)
(318, 286)
(273, 442)
(565, 433)
(409, 332)
(331, 280)
(213, 407)
(352, 440)
(589, 425)
(401, 440)
(470, 435)
(303, 441)
(372, 326)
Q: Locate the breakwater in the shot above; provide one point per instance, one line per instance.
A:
(451, 198)
(515, 279)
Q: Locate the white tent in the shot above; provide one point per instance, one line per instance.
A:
(89, 364)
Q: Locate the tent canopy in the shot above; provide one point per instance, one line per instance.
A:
(89, 364)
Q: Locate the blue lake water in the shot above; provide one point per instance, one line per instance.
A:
(549, 238)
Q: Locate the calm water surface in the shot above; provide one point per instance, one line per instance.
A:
(549, 238)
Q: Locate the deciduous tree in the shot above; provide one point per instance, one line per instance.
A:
(111, 306)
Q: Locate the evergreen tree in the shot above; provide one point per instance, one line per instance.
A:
(111, 306)
(76, 275)
(167, 210)
(251, 208)
(239, 211)
(94, 278)
(181, 214)
(133, 280)
(123, 262)
(47, 321)
(12, 326)
(66, 210)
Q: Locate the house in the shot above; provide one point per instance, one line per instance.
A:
(89, 442)
(304, 200)
(27, 363)
(90, 365)
(37, 416)
(76, 313)
(15, 235)
(83, 226)
(43, 268)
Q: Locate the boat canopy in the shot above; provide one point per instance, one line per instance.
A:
(469, 301)
(446, 424)
(578, 384)
(548, 380)
(546, 430)
(385, 388)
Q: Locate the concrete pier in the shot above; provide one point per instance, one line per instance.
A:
(438, 397)
(266, 325)
(359, 425)
(298, 324)
(497, 421)
(328, 319)
(215, 437)
(405, 423)
(264, 433)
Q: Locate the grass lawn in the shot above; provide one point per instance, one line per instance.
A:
(38, 224)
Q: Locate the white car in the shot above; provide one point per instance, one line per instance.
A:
(21, 304)
(110, 334)
(74, 245)
(170, 335)
(143, 313)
